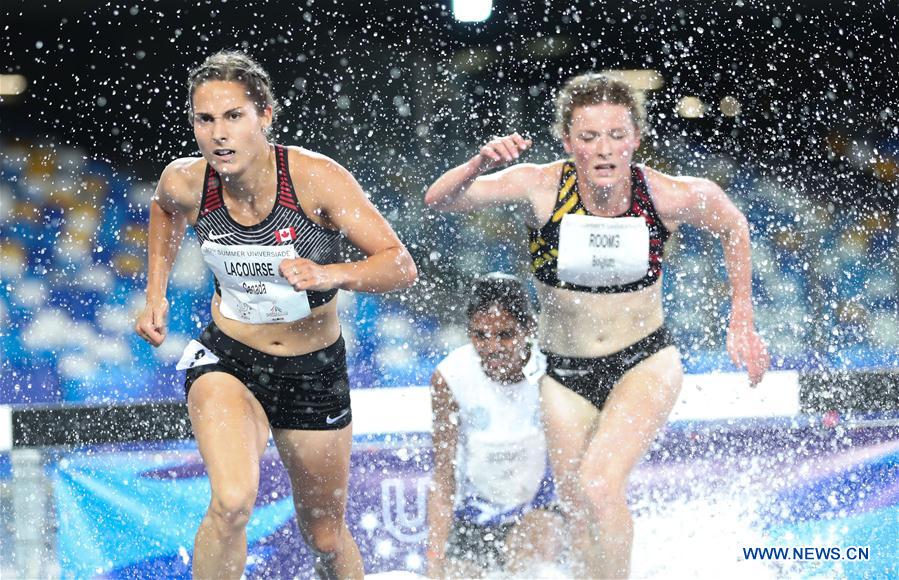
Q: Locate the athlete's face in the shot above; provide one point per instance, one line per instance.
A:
(501, 343)
(602, 139)
(228, 127)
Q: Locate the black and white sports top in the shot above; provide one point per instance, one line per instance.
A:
(604, 255)
(245, 259)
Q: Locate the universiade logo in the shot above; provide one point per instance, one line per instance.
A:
(406, 527)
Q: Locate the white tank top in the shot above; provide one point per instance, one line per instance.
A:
(501, 453)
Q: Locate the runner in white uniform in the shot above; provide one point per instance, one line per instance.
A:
(492, 495)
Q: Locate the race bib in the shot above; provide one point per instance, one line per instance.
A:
(252, 288)
(599, 251)
(196, 354)
(507, 473)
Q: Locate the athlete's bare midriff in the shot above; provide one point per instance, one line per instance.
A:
(585, 325)
(315, 332)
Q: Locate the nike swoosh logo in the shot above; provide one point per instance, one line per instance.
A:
(570, 372)
(330, 421)
(214, 237)
(631, 359)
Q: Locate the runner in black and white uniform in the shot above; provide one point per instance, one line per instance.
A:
(306, 392)
(270, 220)
(492, 498)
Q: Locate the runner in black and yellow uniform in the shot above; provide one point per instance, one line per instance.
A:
(598, 224)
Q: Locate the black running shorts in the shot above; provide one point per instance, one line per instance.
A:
(309, 391)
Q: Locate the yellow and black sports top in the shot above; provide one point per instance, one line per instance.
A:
(544, 242)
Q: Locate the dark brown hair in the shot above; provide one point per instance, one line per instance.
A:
(505, 291)
(233, 65)
(592, 89)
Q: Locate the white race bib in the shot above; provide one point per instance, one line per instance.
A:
(252, 289)
(507, 473)
(600, 251)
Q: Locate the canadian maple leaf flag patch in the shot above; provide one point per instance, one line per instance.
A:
(285, 235)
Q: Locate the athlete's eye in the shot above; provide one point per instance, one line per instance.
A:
(618, 135)
(234, 115)
(202, 118)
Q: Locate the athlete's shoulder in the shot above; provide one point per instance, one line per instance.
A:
(674, 184)
(551, 173)
(320, 177)
(537, 174)
(536, 182)
(458, 361)
(185, 169)
(464, 352)
(540, 182)
(307, 163)
(181, 183)
(673, 195)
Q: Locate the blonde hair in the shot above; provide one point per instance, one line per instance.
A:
(592, 89)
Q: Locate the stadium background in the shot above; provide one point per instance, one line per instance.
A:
(397, 93)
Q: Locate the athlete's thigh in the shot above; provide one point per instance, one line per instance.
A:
(318, 463)
(569, 421)
(637, 408)
(230, 427)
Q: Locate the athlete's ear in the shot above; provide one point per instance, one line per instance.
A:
(266, 117)
(566, 143)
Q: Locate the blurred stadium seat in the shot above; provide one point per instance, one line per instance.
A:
(72, 262)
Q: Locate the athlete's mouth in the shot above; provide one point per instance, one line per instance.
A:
(497, 363)
(223, 152)
(604, 167)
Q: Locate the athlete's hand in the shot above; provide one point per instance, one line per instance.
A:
(501, 151)
(747, 349)
(152, 323)
(305, 274)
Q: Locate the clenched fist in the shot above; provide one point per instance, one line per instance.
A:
(305, 274)
(501, 151)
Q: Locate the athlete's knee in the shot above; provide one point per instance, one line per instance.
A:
(323, 534)
(231, 506)
(605, 491)
(325, 539)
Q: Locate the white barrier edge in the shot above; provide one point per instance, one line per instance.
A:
(5, 428)
(707, 396)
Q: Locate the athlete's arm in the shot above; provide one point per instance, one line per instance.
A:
(703, 204)
(466, 188)
(167, 224)
(342, 203)
(445, 437)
